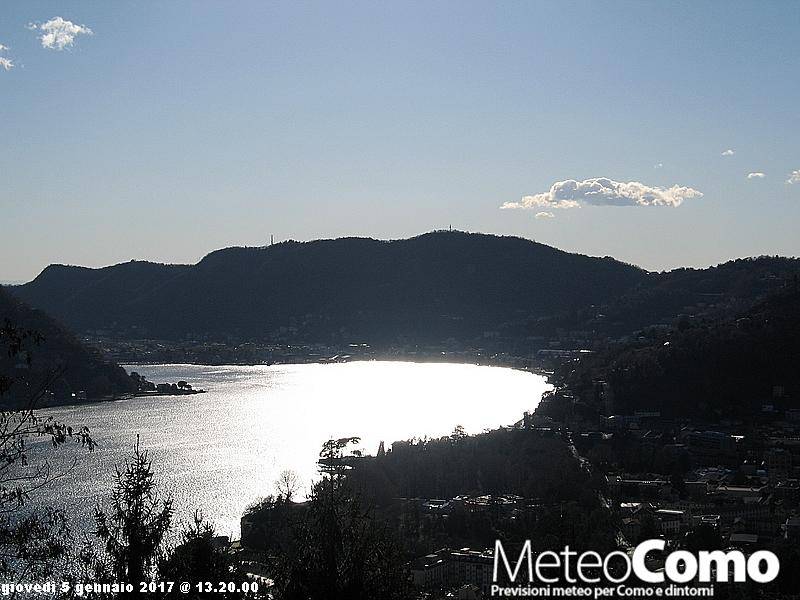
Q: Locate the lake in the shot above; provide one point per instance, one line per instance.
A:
(221, 450)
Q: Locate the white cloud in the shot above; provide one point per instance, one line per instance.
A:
(794, 177)
(602, 191)
(544, 215)
(728, 152)
(5, 63)
(756, 175)
(544, 200)
(58, 33)
(658, 166)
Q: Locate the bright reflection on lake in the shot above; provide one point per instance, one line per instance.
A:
(221, 450)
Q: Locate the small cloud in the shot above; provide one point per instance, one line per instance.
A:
(658, 166)
(794, 177)
(756, 175)
(5, 63)
(544, 215)
(728, 152)
(58, 33)
(602, 191)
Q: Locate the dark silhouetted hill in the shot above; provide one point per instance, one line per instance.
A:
(710, 369)
(430, 287)
(79, 368)
(679, 295)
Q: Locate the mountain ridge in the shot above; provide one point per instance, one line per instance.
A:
(419, 287)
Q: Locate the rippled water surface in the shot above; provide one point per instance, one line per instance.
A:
(221, 450)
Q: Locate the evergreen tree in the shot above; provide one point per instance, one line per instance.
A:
(132, 531)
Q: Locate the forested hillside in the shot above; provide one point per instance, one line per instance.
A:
(51, 359)
(438, 285)
(725, 368)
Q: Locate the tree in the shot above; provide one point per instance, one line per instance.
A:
(339, 551)
(287, 484)
(459, 434)
(132, 532)
(31, 544)
(268, 524)
(332, 456)
(335, 548)
(201, 556)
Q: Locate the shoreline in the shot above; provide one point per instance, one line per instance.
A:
(536, 369)
(512, 364)
(113, 398)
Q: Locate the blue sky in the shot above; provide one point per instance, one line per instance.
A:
(177, 128)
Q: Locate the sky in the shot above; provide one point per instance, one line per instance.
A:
(664, 134)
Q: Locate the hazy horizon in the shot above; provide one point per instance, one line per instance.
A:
(658, 134)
